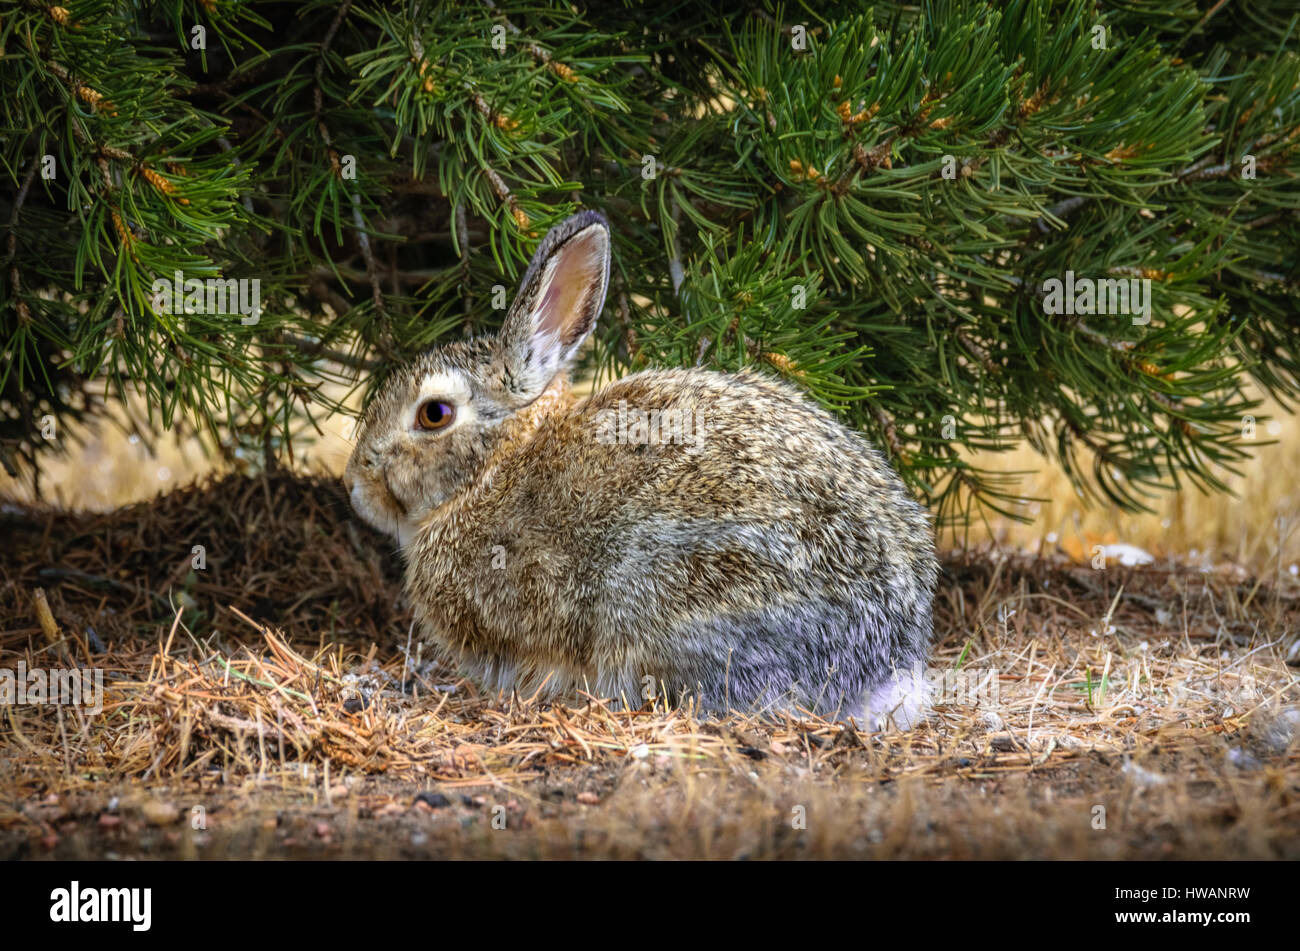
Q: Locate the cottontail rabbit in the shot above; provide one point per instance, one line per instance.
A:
(715, 535)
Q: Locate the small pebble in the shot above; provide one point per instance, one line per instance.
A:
(1143, 777)
(160, 813)
(1243, 760)
(95, 644)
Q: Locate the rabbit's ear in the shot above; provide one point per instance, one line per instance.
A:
(558, 302)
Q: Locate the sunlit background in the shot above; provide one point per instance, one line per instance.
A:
(1254, 526)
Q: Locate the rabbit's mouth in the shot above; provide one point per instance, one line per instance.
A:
(392, 501)
(375, 503)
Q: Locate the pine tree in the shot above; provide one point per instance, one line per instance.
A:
(893, 206)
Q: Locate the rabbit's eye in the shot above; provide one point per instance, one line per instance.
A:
(434, 415)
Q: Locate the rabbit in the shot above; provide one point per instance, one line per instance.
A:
(744, 549)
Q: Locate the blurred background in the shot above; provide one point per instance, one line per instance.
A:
(1255, 526)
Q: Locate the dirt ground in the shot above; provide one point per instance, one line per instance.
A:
(272, 704)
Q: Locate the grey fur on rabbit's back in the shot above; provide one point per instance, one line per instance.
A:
(744, 548)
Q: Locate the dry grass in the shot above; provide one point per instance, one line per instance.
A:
(1256, 524)
(275, 691)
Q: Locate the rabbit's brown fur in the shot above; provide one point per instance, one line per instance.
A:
(769, 557)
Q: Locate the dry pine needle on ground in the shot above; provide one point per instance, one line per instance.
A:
(273, 703)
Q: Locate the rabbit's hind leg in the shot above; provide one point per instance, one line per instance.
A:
(837, 661)
(901, 701)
